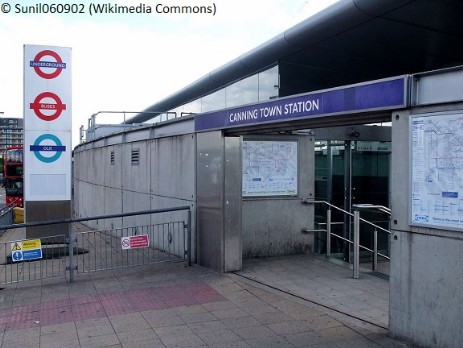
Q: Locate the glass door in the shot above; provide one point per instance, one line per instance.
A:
(346, 173)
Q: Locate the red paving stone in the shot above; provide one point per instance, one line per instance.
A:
(108, 304)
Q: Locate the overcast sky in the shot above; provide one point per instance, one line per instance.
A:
(128, 62)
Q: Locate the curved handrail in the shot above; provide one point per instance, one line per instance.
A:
(360, 206)
(357, 221)
(381, 208)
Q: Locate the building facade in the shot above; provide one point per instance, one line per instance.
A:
(11, 132)
(343, 90)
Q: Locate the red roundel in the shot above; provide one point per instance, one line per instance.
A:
(38, 69)
(57, 107)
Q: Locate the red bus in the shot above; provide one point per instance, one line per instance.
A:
(13, 175)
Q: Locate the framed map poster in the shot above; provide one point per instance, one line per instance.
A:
(436, 145)
(269, 168)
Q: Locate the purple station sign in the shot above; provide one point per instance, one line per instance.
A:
(384, 94)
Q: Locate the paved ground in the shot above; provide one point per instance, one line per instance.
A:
(326, 283)
(171, 305)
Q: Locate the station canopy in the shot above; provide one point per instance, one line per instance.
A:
(349, 42)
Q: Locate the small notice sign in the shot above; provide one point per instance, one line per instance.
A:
(132, 242)
(26, 250)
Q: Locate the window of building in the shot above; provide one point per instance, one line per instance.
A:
(213, 101)
(243, 92)
(259, 87)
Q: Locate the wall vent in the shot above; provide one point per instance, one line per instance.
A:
(135, 160)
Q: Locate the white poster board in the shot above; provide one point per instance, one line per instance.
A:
(436, 146)
(269, 168)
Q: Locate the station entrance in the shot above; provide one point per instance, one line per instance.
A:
(352, 167)
(277, 156)
(343, 166)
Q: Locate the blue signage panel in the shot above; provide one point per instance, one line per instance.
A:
(32, 254)
(358, 98)
(27, 255)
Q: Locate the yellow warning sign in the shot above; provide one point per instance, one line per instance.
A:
(31, 244)
(25, 245)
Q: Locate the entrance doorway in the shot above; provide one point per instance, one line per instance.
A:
(353, 169)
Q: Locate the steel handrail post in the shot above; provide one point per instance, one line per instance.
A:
(375, 246)
(356, 244)
(71, 253)
(328, 232)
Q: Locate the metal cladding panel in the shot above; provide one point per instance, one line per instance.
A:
(210, 199)
(232, 206)
(442, 87)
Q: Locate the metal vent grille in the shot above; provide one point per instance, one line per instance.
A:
(135, 159)
(112, 157)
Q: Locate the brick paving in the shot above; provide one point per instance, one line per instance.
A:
(172, 305)
(111, 304)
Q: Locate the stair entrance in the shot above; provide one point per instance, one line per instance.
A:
(352, 170)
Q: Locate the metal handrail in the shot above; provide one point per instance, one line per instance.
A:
(313, 201)
(357, 221)
(381, 208)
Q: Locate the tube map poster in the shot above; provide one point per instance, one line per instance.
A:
(437, 170)
(269, 168)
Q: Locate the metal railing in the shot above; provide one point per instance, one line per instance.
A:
(101, 249)
(90, 250)
(357, 220)
(7, 215)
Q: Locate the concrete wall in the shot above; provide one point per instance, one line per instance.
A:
(272, 226)
(426, 275)
(164, 178)
(232, 227)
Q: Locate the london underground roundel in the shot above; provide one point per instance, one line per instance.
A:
(45, 68)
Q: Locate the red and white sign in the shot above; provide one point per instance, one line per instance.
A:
(41, 65)
(47, 88)
(47, 113)
(132, 242)
(56, 108)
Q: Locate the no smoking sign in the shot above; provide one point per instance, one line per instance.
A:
(133, 242)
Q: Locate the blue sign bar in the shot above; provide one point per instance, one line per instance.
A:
(384, 94)
(33, 254)
(47, 148)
